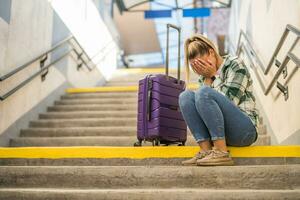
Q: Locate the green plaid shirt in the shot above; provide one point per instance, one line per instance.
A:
(233, 80)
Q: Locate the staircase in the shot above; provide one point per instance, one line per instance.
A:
(82, 149)
(95, 119)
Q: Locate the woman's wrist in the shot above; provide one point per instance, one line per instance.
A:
(208, 81)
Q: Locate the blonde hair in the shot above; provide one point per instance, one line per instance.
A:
(194, 46)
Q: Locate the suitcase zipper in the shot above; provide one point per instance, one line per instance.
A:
(146, 105)
(149, 96)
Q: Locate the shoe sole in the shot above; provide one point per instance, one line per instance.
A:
(221, 163)
(189, 164)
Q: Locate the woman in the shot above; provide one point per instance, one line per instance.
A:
(222, 111)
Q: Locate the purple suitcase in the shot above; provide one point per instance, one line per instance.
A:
(159, 119)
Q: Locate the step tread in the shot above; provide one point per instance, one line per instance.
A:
(107, 107)
(88, 114)
(172, 194)
(92, 100)
(84, 119)
(81, 141)
(146, 190)
(222, 177)
(94, 105)
(99, 95)
(78, 131)
(96, 102)
(122, 141)
(84, 122)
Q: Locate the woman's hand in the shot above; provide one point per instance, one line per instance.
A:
(204, 68)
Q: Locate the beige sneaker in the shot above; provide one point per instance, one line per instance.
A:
(193, 161)
(215, 157)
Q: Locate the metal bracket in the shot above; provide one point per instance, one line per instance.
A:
(79, 66)
(42, 64)
(284, 90)
(79, 55)
(284, 70)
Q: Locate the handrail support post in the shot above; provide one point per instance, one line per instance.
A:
(42, 64)
(284, 90)
(79, 57)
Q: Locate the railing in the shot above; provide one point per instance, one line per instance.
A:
(104, 54)
(44, 69)
(282, 66)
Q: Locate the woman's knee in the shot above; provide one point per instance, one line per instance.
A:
(203, 92)
(185, 97)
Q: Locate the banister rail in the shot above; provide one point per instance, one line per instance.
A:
(289, 28)
(23, 83)
(43, 57)
(290, 56)
(27, 64)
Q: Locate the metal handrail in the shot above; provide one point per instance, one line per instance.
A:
(252, 53)
(45, 68)
(229, 46)
(27, 64)
(102, 57)
(289, 28)
(252, 65)
(19, 86)
(102, 49)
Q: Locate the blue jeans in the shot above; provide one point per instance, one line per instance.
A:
(211, 116)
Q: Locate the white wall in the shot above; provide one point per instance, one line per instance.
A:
(3, 42)
(264, 22)
(33, 29)
(85, 22)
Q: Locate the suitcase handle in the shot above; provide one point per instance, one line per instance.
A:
(167, 50)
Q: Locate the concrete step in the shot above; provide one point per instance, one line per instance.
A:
(102, 131)
(134, 162)
(113, 89)
(88, 114)
(100, 95)
(85, 122)
(260, 120)
(147, 194)
(262, 129)
(136, 77)
(93, 107)
(139, 177)
(118, 83)
(92, 141)
(133, 83)
(96, 101)
(77, 131)
(262, 140)
(121, 141)
(140, 156)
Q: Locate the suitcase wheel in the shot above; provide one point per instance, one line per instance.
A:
(156, 142)
(137, 144)
(182, 144)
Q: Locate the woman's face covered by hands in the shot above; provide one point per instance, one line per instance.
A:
(205, 65)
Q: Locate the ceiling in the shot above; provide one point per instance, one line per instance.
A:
(138, 35)
(148, 36)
